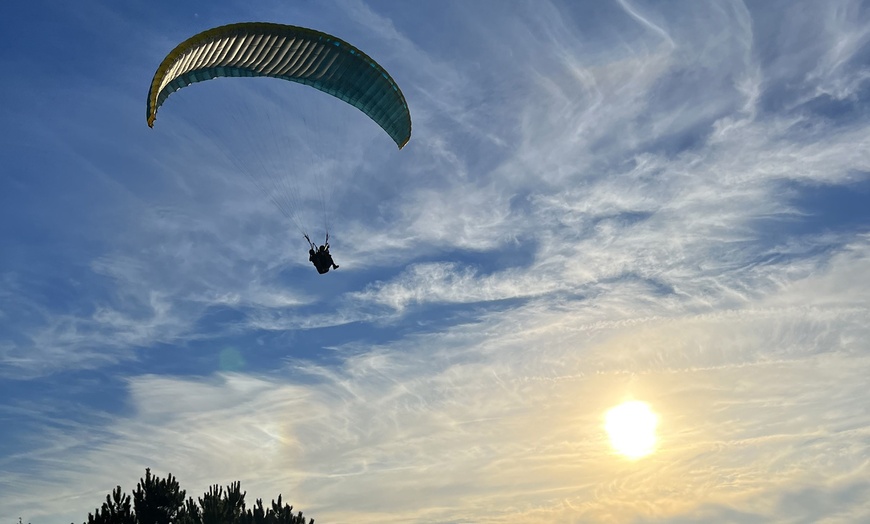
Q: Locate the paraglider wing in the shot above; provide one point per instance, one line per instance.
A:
(291, 53)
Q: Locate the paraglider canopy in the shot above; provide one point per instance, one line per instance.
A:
(288, 52)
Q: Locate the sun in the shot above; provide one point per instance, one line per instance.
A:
(631, 427)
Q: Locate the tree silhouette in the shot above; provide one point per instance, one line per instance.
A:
(157, 501)
(115, 510)
(162, 501)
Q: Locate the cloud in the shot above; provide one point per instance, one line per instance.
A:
(609, 224)
(502, 418)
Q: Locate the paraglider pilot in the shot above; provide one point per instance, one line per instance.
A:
(321, 258)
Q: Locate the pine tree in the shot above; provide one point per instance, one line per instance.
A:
(115, 510)
(162, 501)
(220, 508)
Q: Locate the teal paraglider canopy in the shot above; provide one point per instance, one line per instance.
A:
(297, 54)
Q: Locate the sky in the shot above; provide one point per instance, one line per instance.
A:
(601, 201)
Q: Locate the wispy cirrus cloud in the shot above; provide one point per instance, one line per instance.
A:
(501, 419)
(617, 221)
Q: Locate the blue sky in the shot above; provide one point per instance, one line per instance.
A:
(600, 201)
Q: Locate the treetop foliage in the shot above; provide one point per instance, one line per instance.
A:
(162, 501)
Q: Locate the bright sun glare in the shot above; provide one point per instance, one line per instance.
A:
(631, 427)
